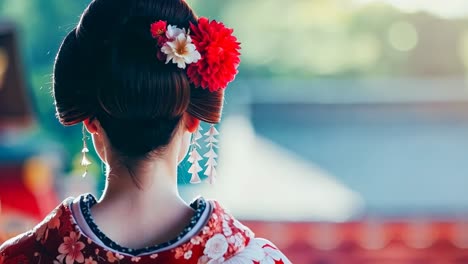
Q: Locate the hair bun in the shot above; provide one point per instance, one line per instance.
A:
(74, 99)
(107, 68)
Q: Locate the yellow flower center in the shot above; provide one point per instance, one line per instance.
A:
(181, 49)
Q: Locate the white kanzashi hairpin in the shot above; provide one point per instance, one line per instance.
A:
(195, 157)
(179, 47)
(211, 163)
(209, 54)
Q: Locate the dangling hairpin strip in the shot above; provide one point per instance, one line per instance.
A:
(195, 157)
(84, 160)
(211, 163)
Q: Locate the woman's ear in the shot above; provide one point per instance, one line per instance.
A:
(191, 123)
(92, 125)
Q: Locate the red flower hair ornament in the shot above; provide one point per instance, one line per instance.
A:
(208, 51)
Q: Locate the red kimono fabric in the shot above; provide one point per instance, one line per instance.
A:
(58, 240)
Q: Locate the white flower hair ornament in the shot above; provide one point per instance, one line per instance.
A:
(209, 52)
(179, 48)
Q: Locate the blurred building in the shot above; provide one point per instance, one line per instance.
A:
(350, 171)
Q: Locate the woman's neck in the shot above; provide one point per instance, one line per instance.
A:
(153, 208)
(153, 182)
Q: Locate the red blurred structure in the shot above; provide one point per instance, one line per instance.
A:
(17, 198)
(402, 242)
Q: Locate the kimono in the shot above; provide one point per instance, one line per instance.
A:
(58, 239)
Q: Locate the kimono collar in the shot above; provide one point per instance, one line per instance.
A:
(221, 237)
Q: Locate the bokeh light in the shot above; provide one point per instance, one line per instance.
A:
(403, 36)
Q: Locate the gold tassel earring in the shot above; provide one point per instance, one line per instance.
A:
(84, 160)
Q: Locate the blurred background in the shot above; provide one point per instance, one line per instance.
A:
(344, 139)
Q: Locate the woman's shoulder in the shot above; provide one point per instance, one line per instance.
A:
(25, 245)
(224, 239)
(16, 245)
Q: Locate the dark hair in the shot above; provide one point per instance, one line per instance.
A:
(107, 69)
